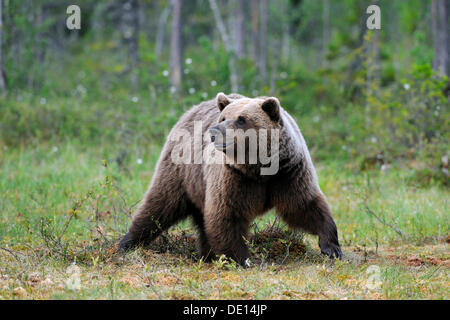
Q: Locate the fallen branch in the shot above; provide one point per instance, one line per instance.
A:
(12, 253)
(397, 230)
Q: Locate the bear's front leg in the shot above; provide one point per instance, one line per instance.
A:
(321, 222)
(226, 233)
(313, 216)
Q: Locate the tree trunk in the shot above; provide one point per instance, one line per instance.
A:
(372, 51)
(130, 30)
(239, 30)
(228, 46)
(445, 14)
(275, 43)
(40, 48)
(285, 42)
(325, 29)
(263, 42)
(176, 46)
(373, 58)
(351, 88)
(254, 7)
(435, 31)
(130, 37)
(439, 17)
(160, 31)
(2, 72)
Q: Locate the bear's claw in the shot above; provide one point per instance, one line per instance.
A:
(331, 250)
(125, 244)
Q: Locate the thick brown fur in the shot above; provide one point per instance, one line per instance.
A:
(223, 199)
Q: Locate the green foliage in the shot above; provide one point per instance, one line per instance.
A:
(91, 102)
(410, 119)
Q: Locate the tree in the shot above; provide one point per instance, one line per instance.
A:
(285, 42)
(372, 51)
(176, 46)
(254, 7)
(440, 15)
(160, 31)
(262, 62)
(228, 45)
(130, 30)
(239, 30)
(325, 28)
(2, 73)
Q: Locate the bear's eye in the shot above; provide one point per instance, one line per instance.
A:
(222, 120)
(240, 121)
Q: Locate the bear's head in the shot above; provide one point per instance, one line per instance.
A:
(244, 126)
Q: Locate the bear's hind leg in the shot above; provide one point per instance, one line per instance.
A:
(159, 211)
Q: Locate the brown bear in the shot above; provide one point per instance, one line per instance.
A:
(224, 197)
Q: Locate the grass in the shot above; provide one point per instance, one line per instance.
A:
(64, 206)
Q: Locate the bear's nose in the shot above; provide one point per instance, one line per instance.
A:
(213, 133)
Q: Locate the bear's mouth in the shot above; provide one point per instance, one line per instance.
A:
(222, 146)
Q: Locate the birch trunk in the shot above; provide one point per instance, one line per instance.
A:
(439, 17)
(176, 47)
(239, 30)
(2, 72)
(160, 31)
(254, 7)
(263, 42)
(228, 45)
(325, 29)
(130, 30)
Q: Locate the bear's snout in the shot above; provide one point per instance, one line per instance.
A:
(218, 138)
(214, 133)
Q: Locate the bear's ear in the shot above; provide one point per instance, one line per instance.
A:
(272, 107)
(222, 101)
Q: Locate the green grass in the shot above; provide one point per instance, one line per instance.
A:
(79, 189)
